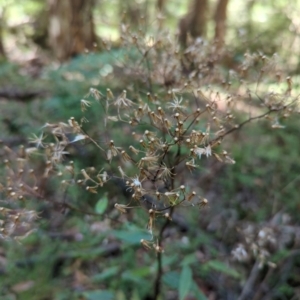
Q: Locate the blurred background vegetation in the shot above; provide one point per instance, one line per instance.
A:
(51, 53)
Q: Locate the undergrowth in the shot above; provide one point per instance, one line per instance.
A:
(153, 148)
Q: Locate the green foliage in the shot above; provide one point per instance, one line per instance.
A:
(266, 169)
(101, 205)
(215, 265)
(185, 282)
(95, 247)
(131, 235)
(94, 295)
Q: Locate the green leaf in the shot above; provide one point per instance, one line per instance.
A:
(185, 282)
(197, 292)
(188, 260)
(132, 237)
(168, 260)
(101, 205)
(221, 267)
(142, 272)
(106, 274)
(171, 279)
(133, 277)
(98, 294)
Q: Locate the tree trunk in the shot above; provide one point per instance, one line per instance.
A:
(220, 21)
(71, 27)
(194, 22)
(160, 5)
(133, 13)
(2, 52)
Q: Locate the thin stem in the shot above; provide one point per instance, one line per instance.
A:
(239, 126)
(159, 274)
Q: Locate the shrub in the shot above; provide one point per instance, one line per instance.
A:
(177, 110)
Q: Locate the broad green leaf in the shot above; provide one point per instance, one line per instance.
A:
(101, 205)
(98, 294)
(141, 272)
(188, 259)
(221, 267)
(131, 276)
(185, 282)
(168, 260)
(132, 237)
(108, 273)
(171, 279)
(197, 292)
